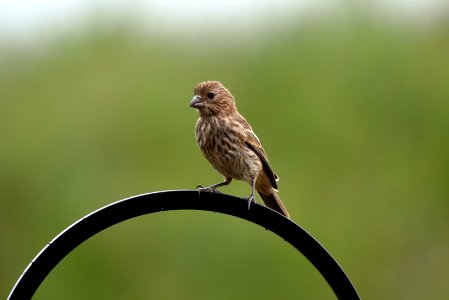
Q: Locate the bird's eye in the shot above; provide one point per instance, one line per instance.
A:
(210, 95)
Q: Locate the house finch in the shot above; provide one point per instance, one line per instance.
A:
(230, 145)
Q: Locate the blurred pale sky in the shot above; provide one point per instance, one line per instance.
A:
(25, 18)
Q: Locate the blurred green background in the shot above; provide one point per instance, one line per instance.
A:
(352, 110)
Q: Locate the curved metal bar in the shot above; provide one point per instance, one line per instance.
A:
(132, 207)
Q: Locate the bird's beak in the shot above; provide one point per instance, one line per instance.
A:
(196, 102)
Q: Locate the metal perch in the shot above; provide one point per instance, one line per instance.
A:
(132, 207)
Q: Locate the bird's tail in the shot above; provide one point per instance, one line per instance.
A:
(274, 202)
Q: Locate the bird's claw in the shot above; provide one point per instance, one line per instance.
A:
(251, 199)
(209, 189)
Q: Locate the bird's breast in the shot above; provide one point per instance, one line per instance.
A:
(223, 146)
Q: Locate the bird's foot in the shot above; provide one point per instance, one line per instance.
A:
(210, 189)
(250, 199)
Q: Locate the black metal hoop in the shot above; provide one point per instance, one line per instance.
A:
(132, 207)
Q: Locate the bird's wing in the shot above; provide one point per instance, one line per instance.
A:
(252, 141)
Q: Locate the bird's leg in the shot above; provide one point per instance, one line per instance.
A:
(213, 188)
(251, 197)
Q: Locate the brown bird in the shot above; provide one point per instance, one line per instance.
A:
(230, 145)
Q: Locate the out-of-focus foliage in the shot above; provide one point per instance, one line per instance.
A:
(354, 117)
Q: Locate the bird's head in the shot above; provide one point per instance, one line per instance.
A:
(211, 98)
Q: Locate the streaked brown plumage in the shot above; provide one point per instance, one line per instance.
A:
(230, 145)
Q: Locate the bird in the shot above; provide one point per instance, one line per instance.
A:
(229, 143)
